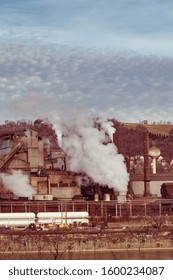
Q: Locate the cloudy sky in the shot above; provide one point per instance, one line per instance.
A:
(112, 58)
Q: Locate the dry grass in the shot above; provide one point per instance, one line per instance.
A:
(162, 129)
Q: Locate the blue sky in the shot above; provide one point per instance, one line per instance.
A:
(111, 58)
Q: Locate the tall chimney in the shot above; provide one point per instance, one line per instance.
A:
(146, 164)
(129, 186)
(116, 141)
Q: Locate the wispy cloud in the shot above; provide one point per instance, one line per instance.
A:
(115, 58)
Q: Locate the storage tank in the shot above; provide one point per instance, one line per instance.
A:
(42, 197)
(122, 197)
(62, 217)
(49, 217)
(106, 197)
(16, 219)
(96, 197)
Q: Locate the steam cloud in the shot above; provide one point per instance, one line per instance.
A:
(90, 151)
(17, 183)
(80, 139)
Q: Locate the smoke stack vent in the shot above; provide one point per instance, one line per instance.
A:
(96, 197)
(106, 197)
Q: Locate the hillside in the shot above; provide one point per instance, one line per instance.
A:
(131, 138)
(130, 135)
(44, 128)
(158, 129)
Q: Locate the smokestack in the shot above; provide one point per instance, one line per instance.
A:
(96, 197)
(146, 164)
(106, 197)
(129, 186)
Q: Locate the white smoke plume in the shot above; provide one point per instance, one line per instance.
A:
(89, 152)
(18, 183)
(82, 141)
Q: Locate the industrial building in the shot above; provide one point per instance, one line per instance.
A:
(46, 172)
(48, 178)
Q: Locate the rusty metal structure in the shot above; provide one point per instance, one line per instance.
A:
(48, 178)
(46, 172)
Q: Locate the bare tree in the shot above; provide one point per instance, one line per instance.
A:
(58, 244)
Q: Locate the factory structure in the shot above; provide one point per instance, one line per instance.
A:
(49, 179)
(38, 193)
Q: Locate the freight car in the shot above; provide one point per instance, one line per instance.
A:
(167, 190)
(62, 217)
(8, 220)
(42, 219)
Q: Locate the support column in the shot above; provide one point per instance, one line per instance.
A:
(146, 165)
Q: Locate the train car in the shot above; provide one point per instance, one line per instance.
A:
(62, 217)
(42, 219)
(16, 219)
(167, 190)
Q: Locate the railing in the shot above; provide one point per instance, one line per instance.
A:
(107, 209)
